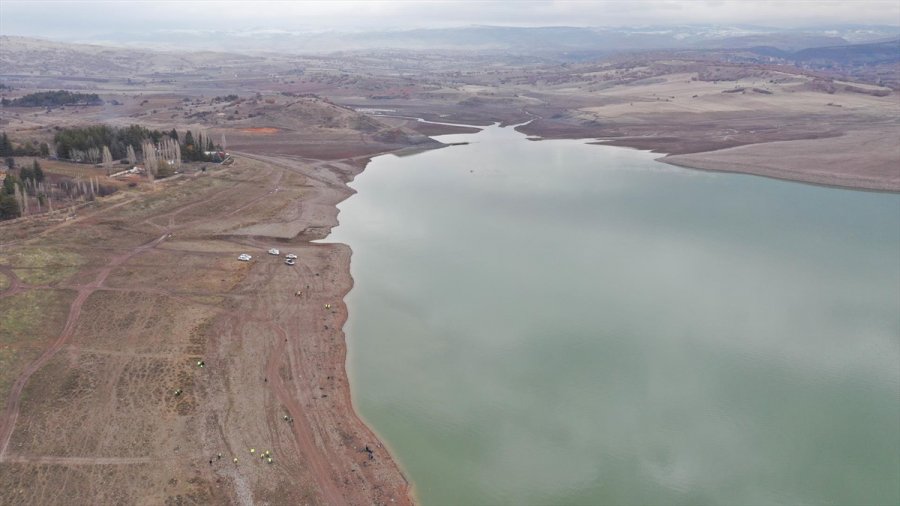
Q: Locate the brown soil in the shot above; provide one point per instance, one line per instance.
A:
(861, 159)
(789, 129)
(94, 417)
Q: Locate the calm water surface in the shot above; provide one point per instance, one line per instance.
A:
(559, 323)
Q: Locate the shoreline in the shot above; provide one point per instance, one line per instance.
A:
(341, 322)
(270, 337)
(820, 161)
(761, 172)
(350, 350)
(334, 190)
(382, 442)
(411, 492)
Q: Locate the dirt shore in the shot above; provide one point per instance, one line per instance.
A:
(864, 159)
(113, 405)
(773, 124)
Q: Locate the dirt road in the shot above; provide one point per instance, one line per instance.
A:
(11, 410)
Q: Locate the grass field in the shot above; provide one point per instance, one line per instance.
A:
(29, 321)
(42, 265)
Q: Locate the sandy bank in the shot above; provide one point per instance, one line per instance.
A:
(861, 157)
(862, 160)
(304, 375)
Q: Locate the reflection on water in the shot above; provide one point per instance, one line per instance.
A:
(560, 323)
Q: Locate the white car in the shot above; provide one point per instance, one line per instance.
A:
(274, 251)
(291, 256)
(289, 261)
(243, 257)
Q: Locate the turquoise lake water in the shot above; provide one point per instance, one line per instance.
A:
(554, 322)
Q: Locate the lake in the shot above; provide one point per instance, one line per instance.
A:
(555, 322)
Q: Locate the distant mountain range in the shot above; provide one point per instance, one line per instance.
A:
(875, 53)
(505, 39)
(187, 52)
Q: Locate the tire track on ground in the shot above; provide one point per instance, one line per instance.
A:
(83, 461)
(300, 427)
(11, 411)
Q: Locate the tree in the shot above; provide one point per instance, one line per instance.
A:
(56, 98)
(10, 162)
(28, 149)
(107, 157)
(189, 149)
(117, 149)
(83, 139)
(37, 171)
(150, 160)
(9, 207)
(6, 148)
(174, 134)
(21, 199)
(9, 204)
(26, 173)
(45, 149)
(9, 184)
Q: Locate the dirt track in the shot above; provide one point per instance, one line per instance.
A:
(162, 290)
(11, 410)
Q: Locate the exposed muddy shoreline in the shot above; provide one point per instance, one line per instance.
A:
(273, 376)
(828, 159)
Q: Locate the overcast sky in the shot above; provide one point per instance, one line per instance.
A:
(82, 19)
